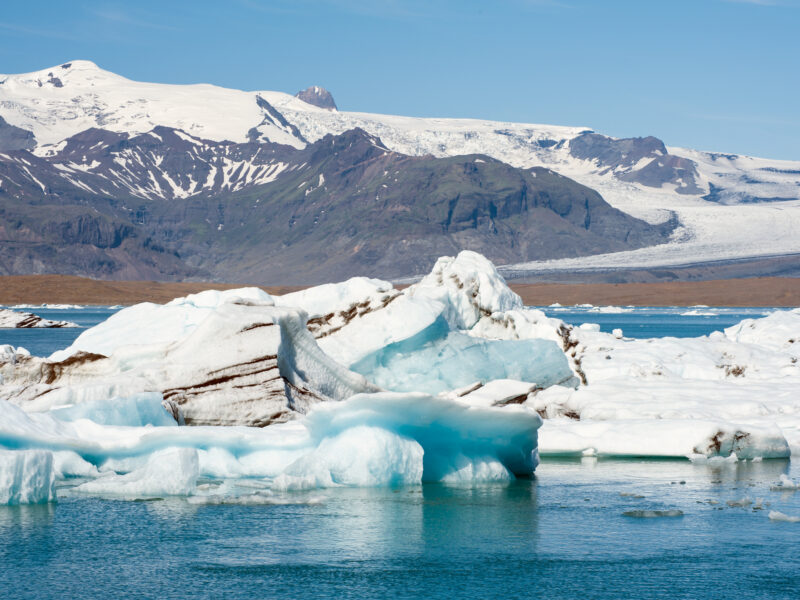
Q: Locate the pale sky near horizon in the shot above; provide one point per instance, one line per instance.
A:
(721, 75)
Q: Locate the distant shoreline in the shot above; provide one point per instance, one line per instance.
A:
(763, 291)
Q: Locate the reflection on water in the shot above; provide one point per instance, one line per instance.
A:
(25, 517)
(560, 534)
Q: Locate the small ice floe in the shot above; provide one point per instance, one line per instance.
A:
(259, 498)
(610, 310)
(652, 514)
(785, 485)
(63, 306)
(714, 461)
(699, 313)
(22, 320)
(630, 495)
(168, 472)
(741, 503)
(776, 515)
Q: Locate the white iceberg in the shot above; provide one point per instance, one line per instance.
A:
(26, 477)
(168, 472)
(22, 320)
(292, 389)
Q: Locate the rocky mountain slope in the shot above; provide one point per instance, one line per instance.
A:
(166, 204)
(103, 176)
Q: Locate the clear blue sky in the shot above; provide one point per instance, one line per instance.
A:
(709, 74)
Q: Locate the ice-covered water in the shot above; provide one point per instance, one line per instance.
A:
(656, 321)
(563, 534)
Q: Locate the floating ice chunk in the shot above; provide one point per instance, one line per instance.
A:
(257, 498)
(715, 461)
(358, 456)
(650, 514)
(13, 319)
(445, 430)
(26, 477)
(785, 485)
(740, 503)
(439, 361)
(135, 411)
(678, 438)
(610, 310)
(589, 327)
(169, 472)
(775, 515)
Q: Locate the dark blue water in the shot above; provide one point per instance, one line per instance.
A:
(562, 534)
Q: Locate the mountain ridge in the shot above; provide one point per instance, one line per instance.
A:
(77, 135)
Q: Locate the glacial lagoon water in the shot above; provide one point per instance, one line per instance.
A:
(562, 534)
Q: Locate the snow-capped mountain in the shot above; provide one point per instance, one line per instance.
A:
(76, 130)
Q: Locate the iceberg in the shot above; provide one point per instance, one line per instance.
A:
(367, 440)
(168, 472)
(358, 384)
(26, 477)
(14, 319)
(221, 359)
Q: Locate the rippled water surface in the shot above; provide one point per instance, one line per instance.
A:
(563, 534)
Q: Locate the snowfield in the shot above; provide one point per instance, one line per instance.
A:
(360, 384)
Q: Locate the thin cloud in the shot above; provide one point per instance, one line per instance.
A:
(393, 9)
(781, 3)
(112, 15)
(752, 119)
(45, 33)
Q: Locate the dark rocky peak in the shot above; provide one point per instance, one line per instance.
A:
(616, 153)
(352, 146)
(174, 139)
(639, 160)
(88, 142)
(15, 138)
(317, 96)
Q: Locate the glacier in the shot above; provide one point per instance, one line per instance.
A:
(358, 383)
